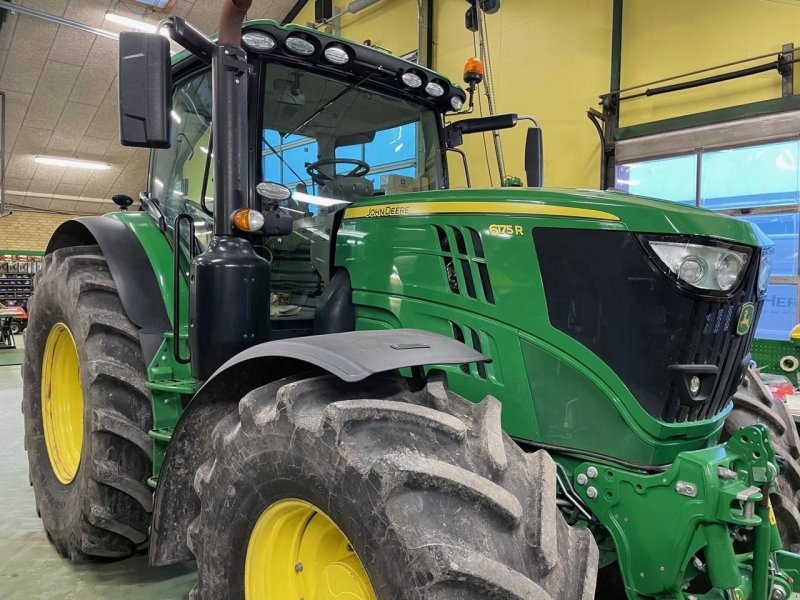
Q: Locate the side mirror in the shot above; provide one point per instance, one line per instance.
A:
(534, 157)
(145, 90)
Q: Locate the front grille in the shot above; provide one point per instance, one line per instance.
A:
(603, 290)
(711, 339)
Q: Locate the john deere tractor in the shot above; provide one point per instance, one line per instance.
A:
(312, 367)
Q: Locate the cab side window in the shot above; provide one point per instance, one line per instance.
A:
(177, 172)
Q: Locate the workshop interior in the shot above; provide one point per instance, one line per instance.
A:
(399, 299)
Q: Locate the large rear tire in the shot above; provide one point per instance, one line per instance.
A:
(430, 499)
(753, 403)
(86, 410)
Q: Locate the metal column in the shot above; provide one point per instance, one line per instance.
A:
(425, 42)
(3, 211)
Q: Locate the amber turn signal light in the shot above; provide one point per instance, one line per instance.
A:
(247, 220)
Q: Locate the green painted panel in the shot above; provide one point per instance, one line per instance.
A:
(463, 263)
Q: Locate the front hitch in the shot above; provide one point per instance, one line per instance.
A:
(701, 530)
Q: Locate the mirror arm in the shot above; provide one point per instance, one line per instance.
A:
(466, 164)
(184, 33)
(481, 124)
(529, 118)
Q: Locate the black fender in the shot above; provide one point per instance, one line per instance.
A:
(351, 356)
(130, 268)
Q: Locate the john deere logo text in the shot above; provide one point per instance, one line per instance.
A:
(746, 314)
(388, 211)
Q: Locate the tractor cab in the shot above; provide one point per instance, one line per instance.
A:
(334, 124)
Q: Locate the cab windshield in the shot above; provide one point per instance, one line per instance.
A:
(329, 140)
(341, 140)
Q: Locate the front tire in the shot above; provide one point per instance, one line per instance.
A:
(86, 410)
(430, 497)
(753, 403)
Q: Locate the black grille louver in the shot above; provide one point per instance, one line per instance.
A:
(449, 266)
(460, 333)
(476, 343)
(471, 261)
(467, 272)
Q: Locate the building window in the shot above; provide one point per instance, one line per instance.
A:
(759, 183)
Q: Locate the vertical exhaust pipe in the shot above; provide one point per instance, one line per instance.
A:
(231, 20)
(229, 283)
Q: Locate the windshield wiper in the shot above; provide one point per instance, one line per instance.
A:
(280, 158)
(328, 103)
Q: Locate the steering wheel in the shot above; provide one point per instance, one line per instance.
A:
(321, 178)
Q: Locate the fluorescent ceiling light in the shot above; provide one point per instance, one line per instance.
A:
(72, 163)
(129, 22)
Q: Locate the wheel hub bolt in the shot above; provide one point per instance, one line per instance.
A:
(591, 472)
(591, 492)
(582, 479)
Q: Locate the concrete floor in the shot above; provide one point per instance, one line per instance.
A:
(30, 568)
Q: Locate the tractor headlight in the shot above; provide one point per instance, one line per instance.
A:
(300, 45)
(765, 269)
(411, 79)
(337, 55)
(258, 40)
(706, 267)
(434, 89)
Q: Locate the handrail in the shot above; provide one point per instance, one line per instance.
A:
(176, 286)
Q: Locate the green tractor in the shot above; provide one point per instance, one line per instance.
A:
(367, 385)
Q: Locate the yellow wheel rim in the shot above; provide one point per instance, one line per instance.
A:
(62, 403)
(297, 551)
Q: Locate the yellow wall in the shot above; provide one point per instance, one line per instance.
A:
(663, 38)
(390, 24)
(28, 230)
(551, 59)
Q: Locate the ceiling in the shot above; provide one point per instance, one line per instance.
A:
(61, 96)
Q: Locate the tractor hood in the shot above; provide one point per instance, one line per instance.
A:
(618, 210)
